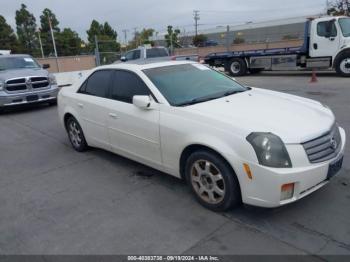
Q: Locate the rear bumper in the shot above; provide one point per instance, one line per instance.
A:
(7, 100)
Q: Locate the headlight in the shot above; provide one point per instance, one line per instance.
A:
(2, 85)
(52, 79)
(270, 150)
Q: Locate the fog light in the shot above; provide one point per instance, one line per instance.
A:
(287, 191)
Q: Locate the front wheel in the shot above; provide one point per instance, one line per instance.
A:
(343, 65)
(237, 67)
(212, 181)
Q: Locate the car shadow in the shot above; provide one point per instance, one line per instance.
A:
(25, 109)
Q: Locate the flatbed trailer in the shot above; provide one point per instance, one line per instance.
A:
(326, 46)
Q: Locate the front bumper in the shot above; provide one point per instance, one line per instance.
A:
(264, 189)
(14, 99)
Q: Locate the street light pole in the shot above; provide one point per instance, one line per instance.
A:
(54, 43)
(41, 45)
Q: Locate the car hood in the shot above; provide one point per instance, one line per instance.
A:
(8, 74)
(294, 119)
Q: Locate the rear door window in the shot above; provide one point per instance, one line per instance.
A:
(97, 84)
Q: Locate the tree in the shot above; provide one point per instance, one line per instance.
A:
(103, 32)
(338, 7)
(8, 39)
(26, 30)
(199, 40)
(69, 43)
(45, 19)
(172, 37)
(107, 41)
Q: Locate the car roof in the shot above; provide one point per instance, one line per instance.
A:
(14, 55)
(144, 64)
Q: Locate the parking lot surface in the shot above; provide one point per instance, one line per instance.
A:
(54, 200)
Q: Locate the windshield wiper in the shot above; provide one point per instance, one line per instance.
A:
(206, 99)
(195, 101)
(229, 93)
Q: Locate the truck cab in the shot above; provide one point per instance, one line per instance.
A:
(330, 38)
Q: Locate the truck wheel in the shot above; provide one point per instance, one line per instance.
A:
(343, 65)
(237, 67)
(212, 181)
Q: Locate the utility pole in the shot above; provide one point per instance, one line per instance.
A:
(41, 44)
(135, 37)
(171, 42)
(54, 43)
(228, 38)
(196, 19)
(97, 52)
(125, 31)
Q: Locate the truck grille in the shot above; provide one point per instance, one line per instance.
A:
(26, 84)
(324, 147)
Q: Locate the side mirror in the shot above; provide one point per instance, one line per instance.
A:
(46, 66)
(142, 102)
(123, 59)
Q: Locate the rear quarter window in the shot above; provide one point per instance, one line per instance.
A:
(156, 52)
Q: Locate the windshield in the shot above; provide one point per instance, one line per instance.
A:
(10, 63)
(189, 84)
(345, 26)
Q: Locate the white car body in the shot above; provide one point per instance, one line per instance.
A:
(158, 137)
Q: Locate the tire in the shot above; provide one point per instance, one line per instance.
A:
(342, 65)
(53, 102)
(254, 71)
(76, 135)
(212, 181)
(237, 67)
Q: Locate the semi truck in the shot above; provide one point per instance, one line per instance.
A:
(326, 45)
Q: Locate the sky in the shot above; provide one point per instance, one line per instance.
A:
(157, 14)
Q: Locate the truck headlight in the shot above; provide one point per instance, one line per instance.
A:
(52, 79)
(270, 150)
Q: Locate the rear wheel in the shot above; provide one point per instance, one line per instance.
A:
(212, 181)
(76, 135)
(343, 64)
(236, 67)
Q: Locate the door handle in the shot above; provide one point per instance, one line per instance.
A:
(112, 115)
(80, 105)
(315, 46)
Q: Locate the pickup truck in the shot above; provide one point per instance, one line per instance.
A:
(326, 46)
(155, 53)
(24, 81)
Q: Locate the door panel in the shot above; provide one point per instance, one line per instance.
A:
(134, 131)
(93, 111)
(91, 105)
(322, 46)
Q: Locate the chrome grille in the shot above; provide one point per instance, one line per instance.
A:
(324, 147)
(27, 83)
(18, 84)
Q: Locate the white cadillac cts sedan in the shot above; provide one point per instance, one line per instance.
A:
(231, 143)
